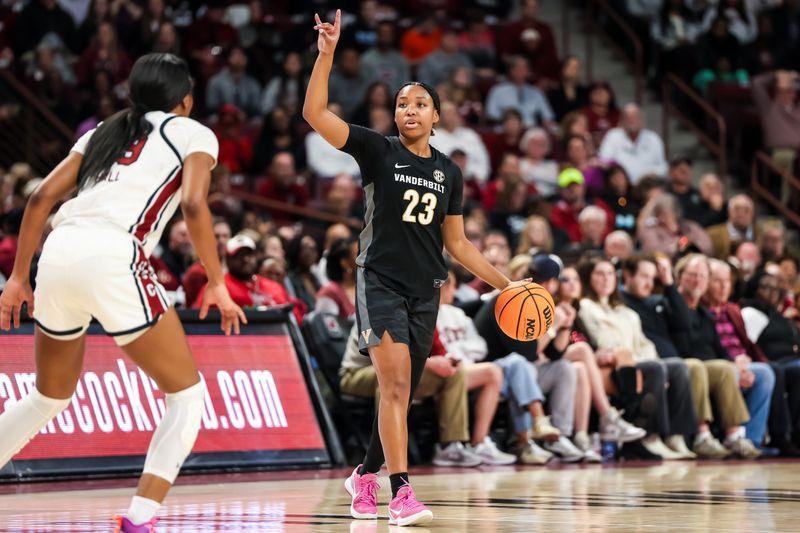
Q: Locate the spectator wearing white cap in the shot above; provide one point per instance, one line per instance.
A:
(247, 288)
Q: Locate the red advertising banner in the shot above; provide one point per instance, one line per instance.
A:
(256, 399)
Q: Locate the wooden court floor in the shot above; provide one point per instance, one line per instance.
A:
(683, 497)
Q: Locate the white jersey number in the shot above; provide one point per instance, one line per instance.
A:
(428, 200)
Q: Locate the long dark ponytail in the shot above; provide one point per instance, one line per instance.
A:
(158, 82)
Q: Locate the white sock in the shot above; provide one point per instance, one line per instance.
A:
(142, 510)
(735, 435)
(24, 419)
(702, 436)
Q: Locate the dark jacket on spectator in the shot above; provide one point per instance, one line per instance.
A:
(780, 339)
(500, 344)
(35, 21)
(562, 105)
(664, 316)
(698, 210)
(700, 340)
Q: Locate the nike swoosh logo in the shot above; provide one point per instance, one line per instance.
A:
(394, 514)
(397, 165)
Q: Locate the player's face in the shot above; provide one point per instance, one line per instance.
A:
(414, 113)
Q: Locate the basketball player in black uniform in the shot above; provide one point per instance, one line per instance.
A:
(413, 194)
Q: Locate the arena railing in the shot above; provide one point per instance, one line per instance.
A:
(760, 171)
(306, 212)
(29, 131)
(594, 8)
(716, 144)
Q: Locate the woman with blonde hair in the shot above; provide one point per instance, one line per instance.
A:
(537, 236)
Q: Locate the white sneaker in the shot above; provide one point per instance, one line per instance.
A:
(742, 447)
(591, 456)
(544, 430)
(655, 445)
(615, 428)
(583, 442)
(707, 447)
(564, 448)
(490, 454)
(531, 454)
(455, 454)
(677, 444)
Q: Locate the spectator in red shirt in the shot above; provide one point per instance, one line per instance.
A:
(8, 245)
(235, 148)
(602, 112)
(247, 288)
(338, 296)
(507, 139)
(284, 185)
(104, 54)
(572, 192)
(206, 36)
(421, 40)
(541, 54)
(195, 277)
(509, 176)
(176, 258)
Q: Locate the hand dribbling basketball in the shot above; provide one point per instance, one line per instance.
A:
(524, 310)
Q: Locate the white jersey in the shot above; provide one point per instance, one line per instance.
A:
(142, 190)
(459, 335)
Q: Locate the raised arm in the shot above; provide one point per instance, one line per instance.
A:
(315, 108)
(58, 184)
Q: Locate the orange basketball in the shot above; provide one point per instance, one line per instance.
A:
(526, 312)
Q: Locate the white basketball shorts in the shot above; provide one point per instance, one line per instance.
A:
(86, 272)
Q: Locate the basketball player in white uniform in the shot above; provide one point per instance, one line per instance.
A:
(131, 173)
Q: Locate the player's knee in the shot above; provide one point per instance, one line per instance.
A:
(190, 402)
(177, 432)
(396, 389)
(496, 375)
(581, 351)
(580, 372)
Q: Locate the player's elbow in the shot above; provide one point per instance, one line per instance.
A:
(192, 207)
(310, 114)
(454, 247)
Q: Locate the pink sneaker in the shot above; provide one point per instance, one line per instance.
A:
(126, 526)
(364, 491)
(405, 510)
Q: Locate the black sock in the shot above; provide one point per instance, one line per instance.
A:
(397, 481)
(373, 460)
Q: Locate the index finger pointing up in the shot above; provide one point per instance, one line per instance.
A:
(338, 19)
(316, 18)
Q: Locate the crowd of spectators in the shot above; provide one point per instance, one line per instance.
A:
(746, 52)
(677, 304)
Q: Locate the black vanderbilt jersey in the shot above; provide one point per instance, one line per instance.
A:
(407, 199)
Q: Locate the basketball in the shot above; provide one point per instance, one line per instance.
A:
(525, 312)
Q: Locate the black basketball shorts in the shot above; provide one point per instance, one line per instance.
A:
(380, 308)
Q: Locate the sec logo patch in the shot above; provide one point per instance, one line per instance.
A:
(438, 175)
